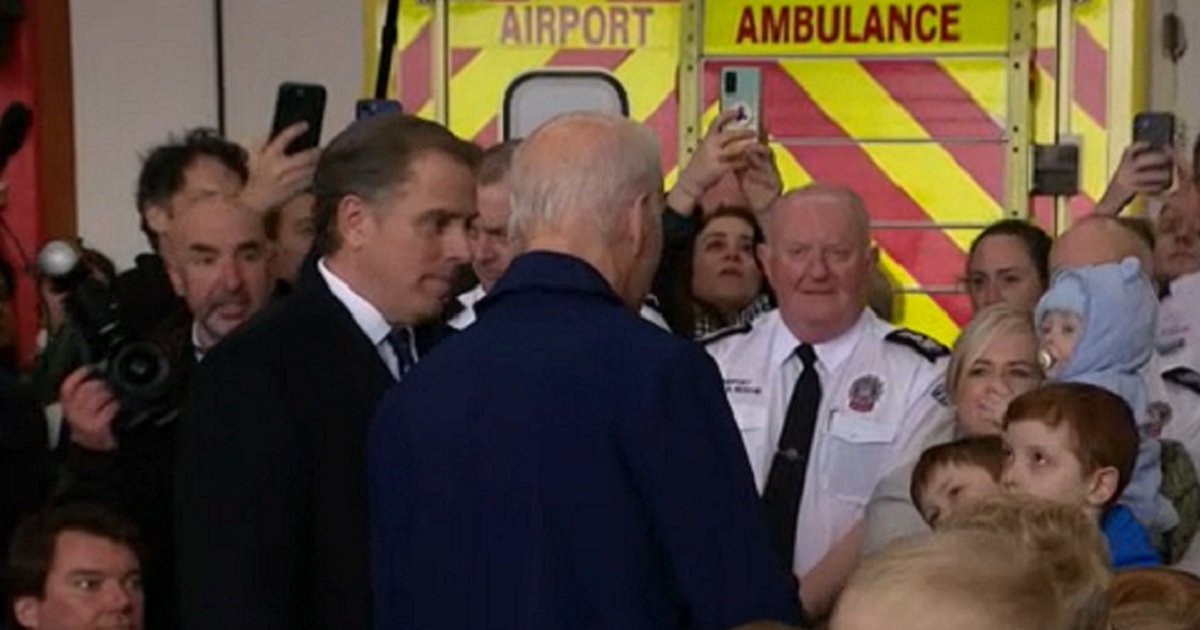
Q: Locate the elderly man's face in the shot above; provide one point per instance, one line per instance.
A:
(819, 263)
(1177, 250)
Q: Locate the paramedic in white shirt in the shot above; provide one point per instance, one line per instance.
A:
(881, 399)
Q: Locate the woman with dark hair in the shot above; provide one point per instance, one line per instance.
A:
(1008, 262)
(719, 282)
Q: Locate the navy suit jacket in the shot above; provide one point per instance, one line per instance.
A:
(564, 464)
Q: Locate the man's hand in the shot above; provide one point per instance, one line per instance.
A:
(722, 150)
(275, 176)
(760, 178)
(1142, 171)
(89, 408)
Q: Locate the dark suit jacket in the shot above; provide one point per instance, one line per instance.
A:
(271, 496)
(564, 464)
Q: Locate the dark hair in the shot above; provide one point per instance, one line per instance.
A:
(1102, 426)
(1037, 243)
(371, 158)
(680, 306)
(986, 452)
(497, 162)
(163, 168)
(31, 552)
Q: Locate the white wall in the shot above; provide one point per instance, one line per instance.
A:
(147, 68)
(1172, 85)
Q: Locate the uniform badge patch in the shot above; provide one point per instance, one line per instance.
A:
(939, 394)
(1160, 414)
(865, 392)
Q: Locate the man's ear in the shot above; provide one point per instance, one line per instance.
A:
(25, 609)
(158, 217)
(636, 228)
(1102, 486)
(354, 221)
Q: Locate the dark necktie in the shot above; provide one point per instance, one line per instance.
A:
(785, 483)
(401, 341)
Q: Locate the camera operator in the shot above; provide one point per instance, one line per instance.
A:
(183, 171)
(218, 263)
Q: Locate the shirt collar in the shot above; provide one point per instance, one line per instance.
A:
(198, 348)
(831, 354)
(368, 318)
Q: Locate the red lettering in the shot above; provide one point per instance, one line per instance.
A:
(568, 21)
(950, 22)
(641, 13)
(775, 25)
(802, 24)
(900, 19)
(873, 31)
(747, 31)
(618, 31)
(510, 28)
(828, 30)
(593, 25)
(545, 26)
(852, 37)
(926, 34)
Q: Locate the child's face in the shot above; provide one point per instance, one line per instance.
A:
(1058, 331)
(1041, 463)
(952, 485)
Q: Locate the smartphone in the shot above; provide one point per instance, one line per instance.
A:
(298, 102)
(371, 107)
(1156, 129)
(741, 90)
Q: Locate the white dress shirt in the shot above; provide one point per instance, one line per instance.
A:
(882, 402)
(368, 318)
(466, 317)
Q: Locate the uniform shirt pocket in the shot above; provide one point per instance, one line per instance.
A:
(753, 424)
(858, 448)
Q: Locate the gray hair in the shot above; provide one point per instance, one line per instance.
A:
(581, 164)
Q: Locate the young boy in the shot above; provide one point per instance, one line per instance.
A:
(949, 475)
(1097, 325)
(1075, 444)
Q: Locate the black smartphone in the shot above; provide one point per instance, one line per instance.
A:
(370, 107)
(297, 102)
(1156, 129)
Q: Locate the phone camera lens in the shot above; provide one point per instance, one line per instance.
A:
(730, 83)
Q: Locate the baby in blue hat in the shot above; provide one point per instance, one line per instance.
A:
(1097, 325)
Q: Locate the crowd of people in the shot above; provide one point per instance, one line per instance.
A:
(419, 384)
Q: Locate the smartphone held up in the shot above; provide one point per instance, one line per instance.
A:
(741, 90)
(300, 102)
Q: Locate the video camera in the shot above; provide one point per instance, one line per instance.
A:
(137, 371)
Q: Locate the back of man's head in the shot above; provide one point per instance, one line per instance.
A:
(164, 168)
(1100, 239)
(581, 168)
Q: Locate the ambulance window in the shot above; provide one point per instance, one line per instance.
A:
(535, 97)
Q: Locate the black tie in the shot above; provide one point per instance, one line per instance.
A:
(785, 483)
(401, 342)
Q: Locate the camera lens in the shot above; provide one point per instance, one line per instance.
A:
(730, 83)
(141, 369)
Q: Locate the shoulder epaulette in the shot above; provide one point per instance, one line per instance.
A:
(924, 345)
(714, 337)
(1185, 377)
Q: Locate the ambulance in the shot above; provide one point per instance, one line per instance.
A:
(944, 116)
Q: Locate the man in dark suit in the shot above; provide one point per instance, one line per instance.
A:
(562, 463)
(271, 494)
(219, 265)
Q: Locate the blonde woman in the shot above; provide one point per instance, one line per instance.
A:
(994, 361)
